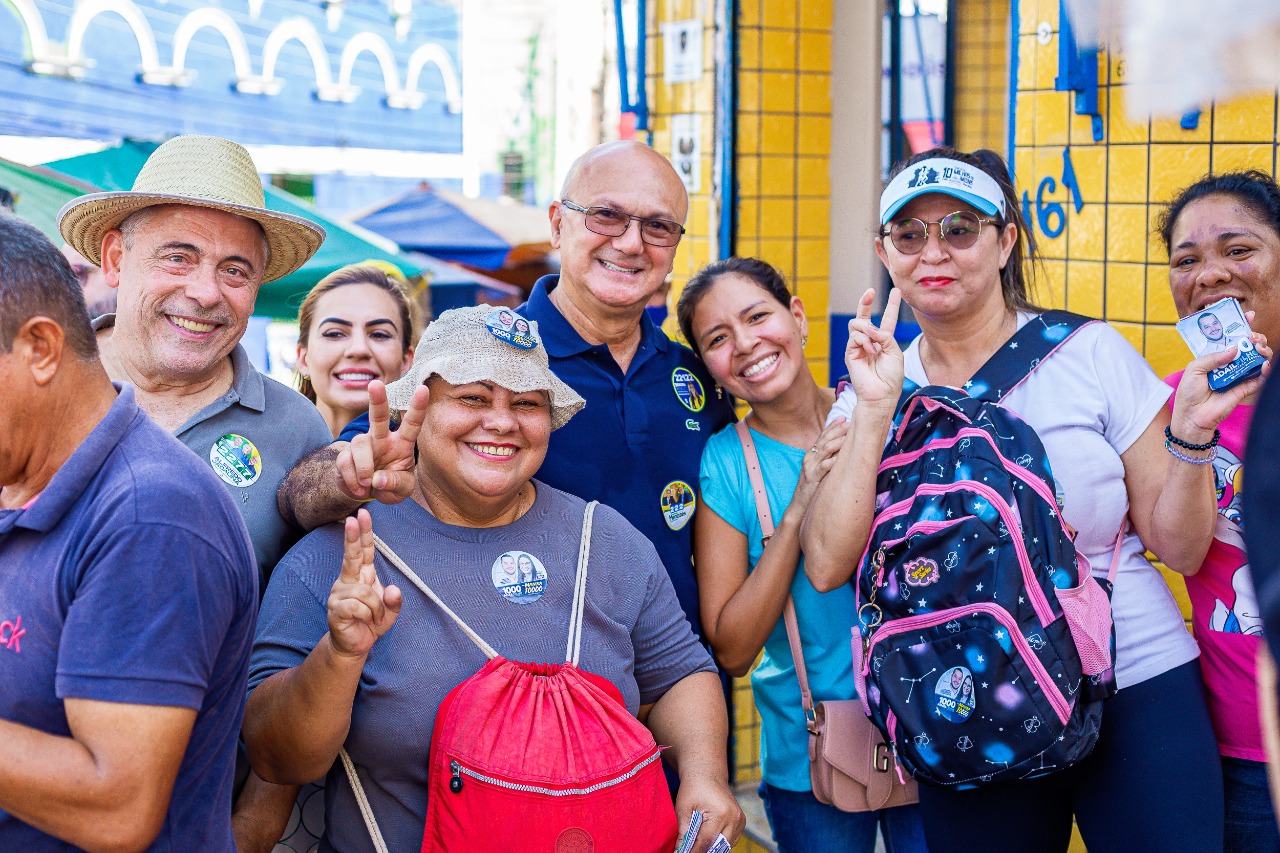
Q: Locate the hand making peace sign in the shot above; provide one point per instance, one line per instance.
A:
(379, 464)
(873, 358)
(360, 609)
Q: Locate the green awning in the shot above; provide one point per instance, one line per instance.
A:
(39, 194)
(115, 168)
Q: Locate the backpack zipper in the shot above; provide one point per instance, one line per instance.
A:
(1038, 599)
(928, 620)
(458, 771)
(1040, 486)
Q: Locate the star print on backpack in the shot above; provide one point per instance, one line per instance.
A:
(986, 644)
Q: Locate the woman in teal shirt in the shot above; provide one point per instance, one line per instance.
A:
(741, 319)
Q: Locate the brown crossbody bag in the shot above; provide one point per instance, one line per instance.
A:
(850, 765)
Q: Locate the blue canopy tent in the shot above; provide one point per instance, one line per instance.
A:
(481, 233)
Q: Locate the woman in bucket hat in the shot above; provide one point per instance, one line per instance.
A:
(481, 403)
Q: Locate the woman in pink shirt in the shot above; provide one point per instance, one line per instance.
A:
(1223, 238)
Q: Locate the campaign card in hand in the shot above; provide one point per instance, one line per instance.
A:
(721, 845)
(690, 834)
(1219, 327)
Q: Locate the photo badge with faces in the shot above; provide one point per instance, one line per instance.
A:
(508, 326)
(1218, 327)
(678, 504)
(954, 696)
(519, 576)
(236, 460)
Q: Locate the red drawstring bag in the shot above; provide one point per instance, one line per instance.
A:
(538, 757)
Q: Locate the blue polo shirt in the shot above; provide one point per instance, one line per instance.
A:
(131, 579)
(637, 446)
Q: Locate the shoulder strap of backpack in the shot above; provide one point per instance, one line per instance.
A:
(1038, 339)
(756, 475)
(580, 587)
(400, 564)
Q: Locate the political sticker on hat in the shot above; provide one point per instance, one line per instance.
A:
(519, 576)
(688, 389)
(236, 460)
(508, 326)
(954, 695)
(678, 503)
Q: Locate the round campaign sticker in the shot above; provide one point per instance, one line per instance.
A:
(688, 389)
(236, 460)
(506, 325)
(954, 694)
(520, 577)
(678, 504)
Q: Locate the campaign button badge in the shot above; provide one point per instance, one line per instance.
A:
(688, 389)
(236, 460)
(678, 503)
(954, 695)
(519, 576)
(509, 327)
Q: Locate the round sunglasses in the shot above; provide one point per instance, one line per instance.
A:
(960, 230)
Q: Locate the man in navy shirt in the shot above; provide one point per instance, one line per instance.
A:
(127, 594)
(651, 406)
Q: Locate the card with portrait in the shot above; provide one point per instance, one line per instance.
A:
(1219, 327)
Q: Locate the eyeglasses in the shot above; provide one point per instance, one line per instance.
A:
(960, 230)
(608, 222)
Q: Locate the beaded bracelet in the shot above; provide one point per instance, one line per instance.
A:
(1191, 460)
(1186, 445)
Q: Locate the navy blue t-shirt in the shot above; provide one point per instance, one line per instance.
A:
(131, 579)
(637, 446)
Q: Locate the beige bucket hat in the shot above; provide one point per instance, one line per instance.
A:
(205, 171)
(486, 344)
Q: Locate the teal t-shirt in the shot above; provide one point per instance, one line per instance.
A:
(826, 619)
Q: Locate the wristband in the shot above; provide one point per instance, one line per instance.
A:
(1170, 438)
(1191, 460)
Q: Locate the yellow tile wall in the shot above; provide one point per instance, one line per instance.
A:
(698, 247)
(783, 141)
(782, 144)
(1112, 263)
(980, 107)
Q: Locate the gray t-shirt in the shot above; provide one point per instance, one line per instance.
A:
(634, 634)
(251, 437)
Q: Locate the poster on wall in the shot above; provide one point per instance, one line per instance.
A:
(682, 51)
(686, 149)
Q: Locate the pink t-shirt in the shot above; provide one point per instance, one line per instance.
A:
(1225, 616)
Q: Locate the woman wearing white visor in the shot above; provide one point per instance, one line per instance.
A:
(955, 246)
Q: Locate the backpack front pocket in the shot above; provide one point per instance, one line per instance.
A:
(964, 696)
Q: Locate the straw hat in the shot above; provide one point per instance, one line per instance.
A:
(486, 344)
(205, 171)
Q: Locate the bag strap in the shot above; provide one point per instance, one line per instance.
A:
(577, 615)
(571, 653)
(756, 476)
(400, 564)
(1039, 338)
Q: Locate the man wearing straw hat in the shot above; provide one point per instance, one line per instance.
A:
(187, 250)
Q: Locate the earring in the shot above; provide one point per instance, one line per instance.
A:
(804, 342)
(719, 392)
